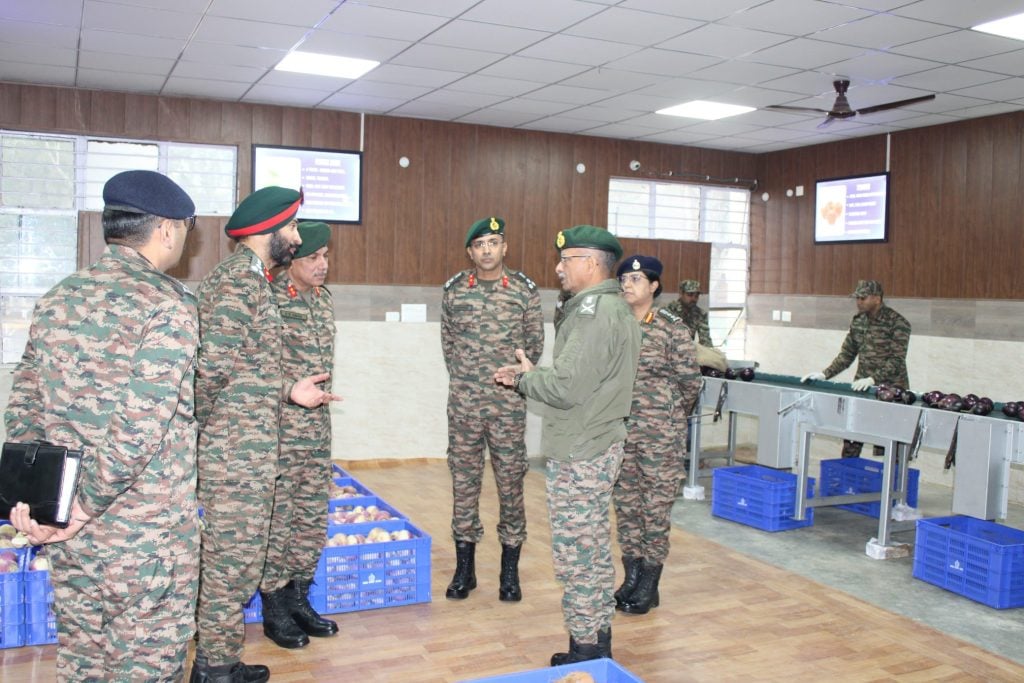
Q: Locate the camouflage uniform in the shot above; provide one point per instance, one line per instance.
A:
(300, 499)
(483, 322)
(587, 393)
(109, 366)
(238, 397)
(563, 296)
(696, 320)
(667, 382)
(880, 345)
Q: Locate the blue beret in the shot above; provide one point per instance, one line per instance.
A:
(638, 263)
(147, 192)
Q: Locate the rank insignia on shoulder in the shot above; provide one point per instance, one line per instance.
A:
(453, 279)
(256, 265)
(589, 305)
(669, 315)
(530, 284)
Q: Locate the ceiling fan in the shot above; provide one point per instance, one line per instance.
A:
(841, 109)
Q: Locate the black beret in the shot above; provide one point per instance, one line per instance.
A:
(638, 263)
(147, 192)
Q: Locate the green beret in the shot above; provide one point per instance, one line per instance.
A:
(264, 211)
(314, 236)
(485, 226)
(588, 237)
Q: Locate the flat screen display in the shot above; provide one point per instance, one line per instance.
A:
(331, 180)
(852, 209)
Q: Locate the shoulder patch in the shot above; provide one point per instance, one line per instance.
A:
(669, 315)
(453, 279)
(530, 284)
(588, 306)
(256, 265)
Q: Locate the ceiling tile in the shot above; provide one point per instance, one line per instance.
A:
(110, 62)
(794, 17)
(756, 97)
(1009, 63)
(126, 44)
(961, 46)
(488, 37)
(686, 89)
(630, 26)
(723, 41)
(293, 12)
(743, 73)
(509, 87)
(802, 53)
(235, 55)
(275, 94)
(599, 114)
(527, 69)
(704, 11)
(876, 5)
(108, 16)
(806, 83)
(678, 137)
(292, 80)
(392, 91)
(663, 62)
(432, 110)
(442, 8)
(454, 98)
(1008, 89)
(654, 122)
(576, 50)
(347, 45)
(537, 108)
(612, 80)
(622, 132)
(381, 22)
(361, 103)
(38, 54)
(248, 33)
(560, 124)
(217, 72)
(541, 15)
(946, 78)
(720, 127)
(986, 110)
(497, 117)
(410, 75)
(567, 94)
(959, 13)
(119, 81)
(45, 11)
(446, 58)
(926, 120)
(878, 66)
(44, 74)
(30, 33)
(881, 31)
(201, 87)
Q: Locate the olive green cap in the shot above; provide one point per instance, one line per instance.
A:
(690, 287)
(588, 237)
(867, 288)
(485, 226)
(314, 236)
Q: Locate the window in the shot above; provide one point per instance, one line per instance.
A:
(45, 180)
(653, 209)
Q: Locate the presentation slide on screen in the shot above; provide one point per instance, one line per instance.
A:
(851, 209)
(329, 180)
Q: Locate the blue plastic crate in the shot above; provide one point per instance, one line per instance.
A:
(603, 671)
(38, 593)
(41, 632)
(360, 490)
(375, 575)
(859, 475)
(12, 613)
(759, 497)
(345, 504)
(338, 471)
(981, 560)
(252, 611)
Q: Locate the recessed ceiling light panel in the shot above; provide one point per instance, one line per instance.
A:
(702, 109)
(325, 65)
(1009, 27)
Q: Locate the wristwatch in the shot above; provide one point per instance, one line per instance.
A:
(515, 382)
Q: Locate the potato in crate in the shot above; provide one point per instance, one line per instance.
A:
(981, 560)
(599, 670)
(373, 565)
(347, 487)
(842, 476)
(360, 509)
(759, 497)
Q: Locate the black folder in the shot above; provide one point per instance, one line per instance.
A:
(44, 476)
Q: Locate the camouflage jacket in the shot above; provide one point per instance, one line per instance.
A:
(880, 346)
(667, 381)
(308, 350)
(696, 320)
(482, 326)
(588, 389)
(239, 376)
(108, 367)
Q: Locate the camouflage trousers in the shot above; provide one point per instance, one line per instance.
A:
(579, 496)
(505, 438)
(299, 521)
(644, 494)
(235, 530)
(124, 619)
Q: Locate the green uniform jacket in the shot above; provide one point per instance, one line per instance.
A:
(308, 349)
(696, 320)
(880, 345)
(589, 387)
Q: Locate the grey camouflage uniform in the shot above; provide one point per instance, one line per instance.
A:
(481, 327)
(300, 497)
(587, 393)
(109, 367)
(696, 320)
(667, 382)
(238, 397)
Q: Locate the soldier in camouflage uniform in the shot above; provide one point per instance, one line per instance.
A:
(300, 495)
(878, 339)
(694, 317)
(108, 368)
(240, 384)
(667, 382)
(586, 394)
(487, 312)
(563, 296)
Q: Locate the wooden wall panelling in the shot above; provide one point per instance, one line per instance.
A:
(10, 105)
(1005, 273)
(950, 256)
(38, 108)
(141, 116)
(172, 118)
(296, 127)
(533, 238)
(907, 183)
(267, 125)
(381, 213)
(560, 169)
(502, 179)
(106, 114)
(202, 250)
(204, 120)
(981, 268)
(73, 108)
(410, 232)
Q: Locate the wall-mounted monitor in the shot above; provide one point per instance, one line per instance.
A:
(852, 209)
(331, 179)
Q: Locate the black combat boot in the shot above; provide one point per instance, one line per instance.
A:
(509, 590)
(303, 613)
(465, 571)
(631, 567)
(646, 594)
(237, 672)
(278, 624)
(580, 652)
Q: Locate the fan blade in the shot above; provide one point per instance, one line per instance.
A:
(827, 122)
(788, 108)
(894, 105)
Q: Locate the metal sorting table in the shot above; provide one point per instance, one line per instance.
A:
(790, 413)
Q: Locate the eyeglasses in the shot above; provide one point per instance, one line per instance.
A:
(566, 259)
(492, 243)
(190, 223)
(633, 278)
